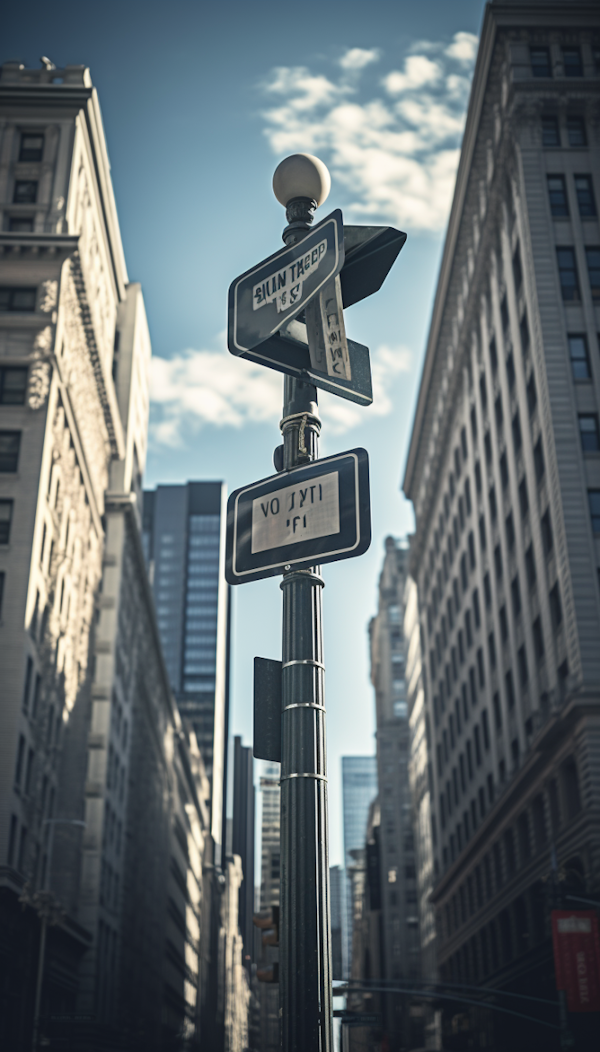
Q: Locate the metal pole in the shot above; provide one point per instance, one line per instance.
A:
(305, 938)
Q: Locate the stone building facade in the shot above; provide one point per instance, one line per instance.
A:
(102, 787)
(504, 474)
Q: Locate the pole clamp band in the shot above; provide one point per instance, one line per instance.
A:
(303, 661)
(304, 705)
(319, 777)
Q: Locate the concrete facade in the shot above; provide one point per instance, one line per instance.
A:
(504, 474)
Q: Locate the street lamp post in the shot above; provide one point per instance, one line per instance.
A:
(301, 184)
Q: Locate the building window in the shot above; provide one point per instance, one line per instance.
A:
(510, 690)
(585, 196)
(17, 299)
(572, 62)
(6, 510)
(580, 363)
(557, 192)
(10, 442)
(20, 224)
(588, 429)
(567, 271)
(493, 504)
(517, 269)
(523, 669)
(516, 596)
(547, 538)
(594, 500)
(538, 460)
(497, 711)
(593, 265)
(540, 62)
(524, 332)
(32, 147)
(555, 606)
(576, 131)
(550, 131)
(492, 650)
(503, 623)
(523, 498)
(498, 562)
(503, 472)
(538, 639)
(25, 192)
(487, 590)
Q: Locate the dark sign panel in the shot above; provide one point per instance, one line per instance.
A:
(263, 299)
(288, 352)
(314, 514)
(577, 958)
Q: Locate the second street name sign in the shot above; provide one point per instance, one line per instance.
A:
(314, 514)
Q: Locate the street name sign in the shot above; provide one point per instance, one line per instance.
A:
(317, 513)
(263, 299)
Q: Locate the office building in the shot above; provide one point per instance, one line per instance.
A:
(102, 786)
(504, 475)
(242, 840)
(269, 896)
(359, 789)
(339, 919)
(184, 544)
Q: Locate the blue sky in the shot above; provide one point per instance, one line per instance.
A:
(200, 102)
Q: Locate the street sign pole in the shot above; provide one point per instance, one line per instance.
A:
(305, 936)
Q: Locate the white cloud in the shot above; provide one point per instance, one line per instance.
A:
(393, 157)
(196, 388)
(358, 57)
(463, 47)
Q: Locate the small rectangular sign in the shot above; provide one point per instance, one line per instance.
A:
(277, 289)
(314, 514)
(577, 958)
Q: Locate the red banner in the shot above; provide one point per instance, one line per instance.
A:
(577, 958)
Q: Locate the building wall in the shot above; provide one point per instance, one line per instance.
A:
(505, 553)
(359, 789)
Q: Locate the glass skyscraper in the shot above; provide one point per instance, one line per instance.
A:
(184, 547)
(359, 789)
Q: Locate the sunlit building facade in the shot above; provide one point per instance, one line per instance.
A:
(504, 474)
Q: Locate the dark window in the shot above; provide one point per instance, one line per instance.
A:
(593, 265)
(540, 62)
(468, 504)
(530, 566)
(20, 757)
(538, 639)
(523, 669)
(503, 623)
(2, 580)
(10, 442)
(557, 193)
(487, 590)
(480, 667)
(485, 727)
(483, 393)
(464, 579)
(468, 635)
(510, 371)
(538, 460)
(25, 192)
(494, 353)
(20, 224)
(32, 147)
(515, 592)
(6, 510)
(498, 561)
(588, 429)
(474, 422)
(510, 690)
(580, 363)
(504, 470)
(469, 760)
(531, 395)
(585, 195)
(492, 650)
(463, 443)
(471, 544)
(524, 837)
(524, 332)
(555, 606)
(13, 385)
(17, 299)
(498, 412)
(493, 504)
(476, 610)
(576, 131)
(567, 271)
(517, 269)
(516, 431)
(572, 62)
(478, 477)
(472, 686)
(539, 822)
(523, 498)
(482, 537)
(571, 784)
(487, 445)
(510, 531)
(547, 533)
(457, 468)
(594, 499)
(497, 711)
(550, 131)
(477, 743)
